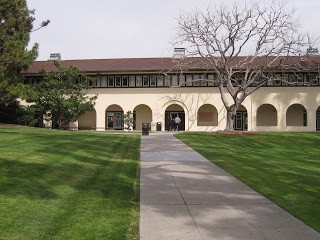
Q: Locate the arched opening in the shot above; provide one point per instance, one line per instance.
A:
(318, 119)
(141, 114)
(296, 115)
(241, 119)
(114, 117)
(87, 121)
(175, 110)
(207, 115)
(267, 115)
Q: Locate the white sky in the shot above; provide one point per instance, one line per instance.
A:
(82, 29)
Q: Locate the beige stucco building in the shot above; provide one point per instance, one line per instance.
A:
(153, 89)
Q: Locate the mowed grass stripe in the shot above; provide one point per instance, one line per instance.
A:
(284, 167)
(68, 185)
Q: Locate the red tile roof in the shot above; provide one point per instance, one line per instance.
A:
(108, 65)
(151, 64)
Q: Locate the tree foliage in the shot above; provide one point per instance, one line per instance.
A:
(12, 112)
(15, 25)
(62, 95)
(241, 45)
(128, 120)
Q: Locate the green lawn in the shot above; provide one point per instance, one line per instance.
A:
(284, 167)
(68, 185)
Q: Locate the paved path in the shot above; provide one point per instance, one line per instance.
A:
(184, 196)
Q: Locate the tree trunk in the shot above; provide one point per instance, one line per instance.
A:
(55, 125)
(230, 119)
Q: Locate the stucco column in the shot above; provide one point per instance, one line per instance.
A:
(282, 113)
(157, 116)
(311, 118)
(100, 119)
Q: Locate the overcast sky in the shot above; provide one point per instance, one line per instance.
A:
(82, 29)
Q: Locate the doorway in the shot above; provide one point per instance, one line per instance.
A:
(241, 121)
(115, 120)
(174, 114)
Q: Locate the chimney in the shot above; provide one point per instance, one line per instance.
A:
(55, 57)
(178, 54)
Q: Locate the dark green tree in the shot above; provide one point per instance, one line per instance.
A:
(14, 113)
(16, 23)
(15, 26)
(62, 95)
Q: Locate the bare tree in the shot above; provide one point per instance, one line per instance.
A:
(241, 45)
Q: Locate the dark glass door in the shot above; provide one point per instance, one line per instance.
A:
(115, 120)
(174, 114)
(241, 121)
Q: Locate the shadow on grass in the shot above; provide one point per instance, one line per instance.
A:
(68, 185)
(41, 181)
(39, 163)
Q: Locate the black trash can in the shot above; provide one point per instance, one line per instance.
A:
(158, 126)
(145, 128)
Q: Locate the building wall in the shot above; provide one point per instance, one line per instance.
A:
(191, 99)
(87, 120)
(143, 115)
(282, 98)
(207, 115)
(267, 115)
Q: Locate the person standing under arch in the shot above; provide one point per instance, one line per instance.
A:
(171, 123)
(177, 121)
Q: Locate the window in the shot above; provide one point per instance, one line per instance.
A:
(204, 80)
(291, 79)
(278, 80)
(239, 79)
(110, 81)
(145, 80)
(104, 81)
(189, 80)
(160, 81)
(94, 81)
(314, 79)
(132, 81)
(182, 80)
(98, 81)
(196, 80)
(211, 77)
(118, 81)
(270, 82)
(139, 81)
(270, 76)
(91, 82)
(167, 80)
(174, 80)
(307, 79)
(125, 81)
(300, 79)
(153, 80)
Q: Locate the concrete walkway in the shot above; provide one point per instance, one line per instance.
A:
(184, 196)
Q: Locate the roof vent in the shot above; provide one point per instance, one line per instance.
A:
(178, 54)
(55, 57)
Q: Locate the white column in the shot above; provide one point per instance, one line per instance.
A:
(100, 119)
